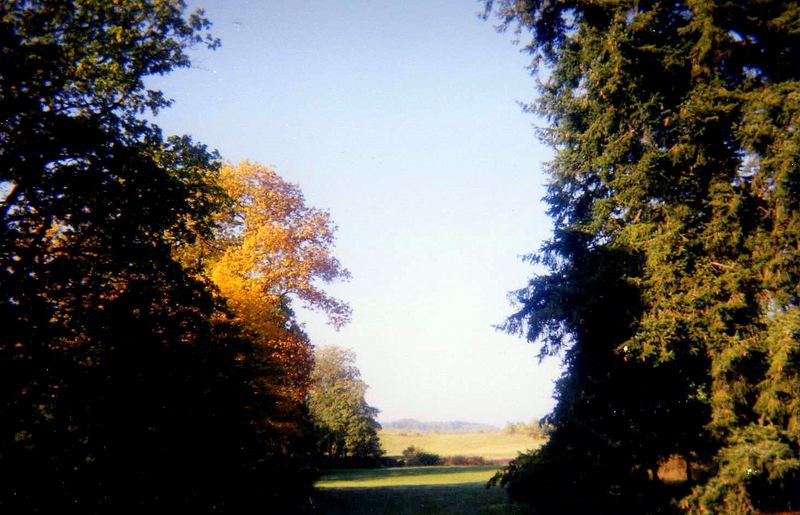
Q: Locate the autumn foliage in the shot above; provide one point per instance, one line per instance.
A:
(267, 251)
(150, 359)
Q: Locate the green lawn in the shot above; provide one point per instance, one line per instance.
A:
(412, 490)
(405, 476)
(425, 490)
(491, 446)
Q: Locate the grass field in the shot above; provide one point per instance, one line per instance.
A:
(406, 476)
(491, 446)
(412, 490)
(425, 490)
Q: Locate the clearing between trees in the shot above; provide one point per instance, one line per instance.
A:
(437, 489)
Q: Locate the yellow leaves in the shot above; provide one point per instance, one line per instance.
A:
(268, 250)
(57, 234)
(274, 243)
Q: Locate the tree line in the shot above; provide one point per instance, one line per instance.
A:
(669, 288)
(150, 354)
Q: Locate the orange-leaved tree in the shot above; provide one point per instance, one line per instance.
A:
(268, 250)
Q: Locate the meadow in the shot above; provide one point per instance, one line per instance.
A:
(434, 490)
(492, 446)
(406, 476)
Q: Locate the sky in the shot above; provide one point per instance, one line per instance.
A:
(402, 119)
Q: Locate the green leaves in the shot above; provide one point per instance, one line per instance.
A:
(91, 58)
(677, 151)
(345, 422)
(756, 454)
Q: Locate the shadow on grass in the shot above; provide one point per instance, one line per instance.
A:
(465, 499)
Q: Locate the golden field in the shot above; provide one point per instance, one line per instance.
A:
(490, 445)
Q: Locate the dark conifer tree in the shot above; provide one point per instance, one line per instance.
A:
(672, 283)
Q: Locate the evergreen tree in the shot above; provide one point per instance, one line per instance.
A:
(675, 194)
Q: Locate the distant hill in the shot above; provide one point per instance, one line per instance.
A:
(450, 426)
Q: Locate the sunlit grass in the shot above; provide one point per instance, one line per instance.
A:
(429, 490)
(491, 446)
(406, 476)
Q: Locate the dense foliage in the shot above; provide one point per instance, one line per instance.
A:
(267, 250)
(416, 457)
(671, 285)
(345, 422)
(125, 384)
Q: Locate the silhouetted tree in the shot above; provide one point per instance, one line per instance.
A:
(123, 384)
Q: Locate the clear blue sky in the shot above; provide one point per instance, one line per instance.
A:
(401, 119)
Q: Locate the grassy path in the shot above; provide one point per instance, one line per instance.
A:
(411, 490)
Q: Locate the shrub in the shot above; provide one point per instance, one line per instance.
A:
(414, 457)
(464, 460)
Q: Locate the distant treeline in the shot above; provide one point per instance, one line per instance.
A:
(534, 429)
(451, 426)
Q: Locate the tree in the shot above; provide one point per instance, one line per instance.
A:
(123, 384)
(269, 238)
(345, 421)
(268, 249)
(674, 193)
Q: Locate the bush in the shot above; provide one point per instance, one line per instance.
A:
(413, 457)
(464, 460)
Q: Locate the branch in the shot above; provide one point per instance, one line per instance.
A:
(721, 265)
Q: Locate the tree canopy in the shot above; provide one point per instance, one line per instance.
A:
(266, 251)
(345, 421)
(125, 384)
(671, 283)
